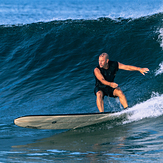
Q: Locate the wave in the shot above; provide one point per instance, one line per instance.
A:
(151, 108)
(51, 64)
(26, 12)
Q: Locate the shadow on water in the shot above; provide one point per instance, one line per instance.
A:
(103, 142)
(87, 143)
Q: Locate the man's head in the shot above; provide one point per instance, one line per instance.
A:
(103, 60)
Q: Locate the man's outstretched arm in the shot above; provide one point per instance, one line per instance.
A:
(133, 68)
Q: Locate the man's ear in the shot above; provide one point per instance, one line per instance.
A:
(107, 60)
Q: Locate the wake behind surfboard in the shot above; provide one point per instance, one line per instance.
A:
(65, 121)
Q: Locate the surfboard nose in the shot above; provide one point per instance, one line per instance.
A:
(19, 122)
(16, 122)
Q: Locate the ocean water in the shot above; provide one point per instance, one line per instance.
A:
(48, 50)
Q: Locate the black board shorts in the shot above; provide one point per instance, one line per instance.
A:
(107, 91)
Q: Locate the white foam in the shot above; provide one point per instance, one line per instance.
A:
(160, 37)
(56, 151)
(160, 69)
(147, 109)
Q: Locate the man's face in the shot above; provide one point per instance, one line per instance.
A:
(103, 62)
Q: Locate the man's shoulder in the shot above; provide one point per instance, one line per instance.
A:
(114, 64)
(97, 68)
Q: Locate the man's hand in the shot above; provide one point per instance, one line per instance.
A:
(143, 70)
(113, 85)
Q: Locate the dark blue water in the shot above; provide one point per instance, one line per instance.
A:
(48, 51)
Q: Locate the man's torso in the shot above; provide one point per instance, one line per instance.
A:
(108, 74)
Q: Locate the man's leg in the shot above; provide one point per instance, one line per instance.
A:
(118, 92)
(99, 101)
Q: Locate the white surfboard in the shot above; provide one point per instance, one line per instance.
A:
(65, 121)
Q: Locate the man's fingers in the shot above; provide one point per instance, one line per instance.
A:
(144, 70)
(114, 85)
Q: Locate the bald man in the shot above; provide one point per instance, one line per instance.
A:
(105, 86)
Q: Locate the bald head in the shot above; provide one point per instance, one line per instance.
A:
(103, 60)
(105, 55)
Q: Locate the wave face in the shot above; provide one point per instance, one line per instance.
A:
(48, 67)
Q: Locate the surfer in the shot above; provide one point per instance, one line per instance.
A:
(105, 86)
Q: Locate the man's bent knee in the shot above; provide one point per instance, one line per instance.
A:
(118, 92)
(99, 94)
